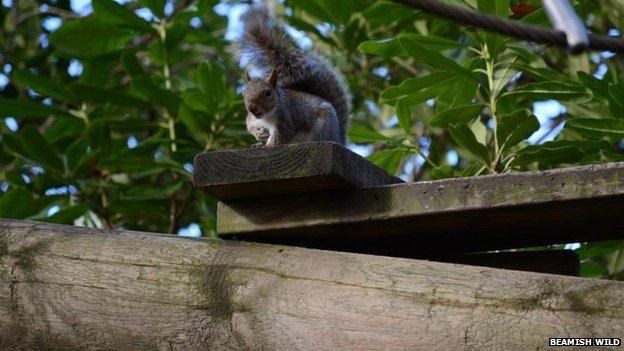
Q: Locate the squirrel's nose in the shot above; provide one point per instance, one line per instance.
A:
(255, 110)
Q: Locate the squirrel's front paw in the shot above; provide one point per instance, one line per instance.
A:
(261, 134)
(257, 145)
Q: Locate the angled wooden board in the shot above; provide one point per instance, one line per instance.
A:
(284, 169)
(455, 215)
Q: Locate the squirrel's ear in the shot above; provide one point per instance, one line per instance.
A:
(273, 77)
(247, 78)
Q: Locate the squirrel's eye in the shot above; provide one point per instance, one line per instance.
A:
(267, 93)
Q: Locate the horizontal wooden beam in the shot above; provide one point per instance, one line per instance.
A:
(284, 169)
(455, 215)
(68, 288)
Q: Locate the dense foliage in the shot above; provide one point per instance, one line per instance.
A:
(104, 113)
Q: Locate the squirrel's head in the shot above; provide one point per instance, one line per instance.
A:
(261, 94)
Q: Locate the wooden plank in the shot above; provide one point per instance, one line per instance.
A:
(284, 169)
(69, 288)
(458, 215)
(564, 262)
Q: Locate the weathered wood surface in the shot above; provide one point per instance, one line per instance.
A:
(564, 262)
(459, 215)
(66, 288)
(284, 169)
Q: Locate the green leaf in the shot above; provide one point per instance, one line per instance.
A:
(156, 6)
(434, 42)
(610, 128)
(613, 156)
(382, 13)
(616, 100)
(429, 57)
(464, 137)
(43, 86)
(40, 149)
(404, 115)
(499, 8)
(384, 47)
(363, 133)
(415, 85)
(598, 249)
(461, 90)
(27, 109)
(198, 124)
(99, 95)
(549, 90)
(461, 114)
(211, 79)
(591, 269)
(99, 135)
(67, 215)
(504, 73)
(63, 127)
(17, 203)
(543, 73)
(389, 159)
(159, 96)
(314, 8)
(515, 127)
(599, 87)
(112, 12)
(131, 64)
(137, 164)
(559, 151)
(96, 71)
(14, 144)
(196, 100)
(149, 192)
(89, 37)
(442, 172)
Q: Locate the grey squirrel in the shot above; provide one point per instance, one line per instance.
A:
(302, 97)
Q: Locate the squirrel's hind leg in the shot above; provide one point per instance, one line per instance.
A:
(327, 127)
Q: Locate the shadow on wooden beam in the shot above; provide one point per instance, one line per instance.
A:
(564, 262)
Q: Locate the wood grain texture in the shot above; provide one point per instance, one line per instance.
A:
(455, 215)
(69, 288)
(284, 169)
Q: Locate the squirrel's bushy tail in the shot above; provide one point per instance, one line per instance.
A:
(268, 46)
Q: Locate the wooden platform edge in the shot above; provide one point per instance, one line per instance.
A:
(284, 169)
(464, 214)
(65, 287)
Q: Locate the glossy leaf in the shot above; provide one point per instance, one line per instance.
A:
(560, 151)
(90, 37)
(67, 215)
(609, 128)
(27, 109)
(42, 86)
(389, 159)
(461, 115)
(430, 57)
(549, 90)
(113, 12)
(464, 137)
(156, 6)
(362, 133)
(515, 127)
(40, 150)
